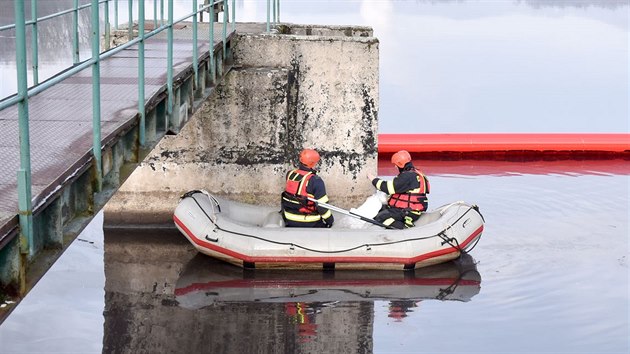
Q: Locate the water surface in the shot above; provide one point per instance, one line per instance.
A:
(553, 260)
(552, 264)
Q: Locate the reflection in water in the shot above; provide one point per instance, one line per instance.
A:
(161, 296)
(609, 4)
(554, 261)
(206, 281)
(457, 167)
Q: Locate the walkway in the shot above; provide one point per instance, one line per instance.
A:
(61, 117)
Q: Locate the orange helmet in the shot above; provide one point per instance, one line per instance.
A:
(401, 158)
(309, 158)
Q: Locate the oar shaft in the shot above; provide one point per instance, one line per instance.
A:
(347, 212)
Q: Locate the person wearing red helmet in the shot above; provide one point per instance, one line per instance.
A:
(301, 183)
(407, 193)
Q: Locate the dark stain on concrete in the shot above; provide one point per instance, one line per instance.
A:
(294, 138)
(369, 119)
(119, 322)
(280, 94)
(252, 154)
(351, 162)
(170, 302)
(171, 154)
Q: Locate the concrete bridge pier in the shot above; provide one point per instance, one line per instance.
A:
(300, 87)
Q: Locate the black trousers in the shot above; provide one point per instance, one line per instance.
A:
(290, 223)
(396, 218)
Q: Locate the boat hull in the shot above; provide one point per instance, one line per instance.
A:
(254, 237)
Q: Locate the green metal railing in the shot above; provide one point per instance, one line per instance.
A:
(24, 173)
(23, 92)
(276, 13)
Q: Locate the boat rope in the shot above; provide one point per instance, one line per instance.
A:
(368, 246)
(476, 208)
(450, 240)
(444, 293)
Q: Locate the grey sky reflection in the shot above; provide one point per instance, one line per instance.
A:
(503, 67)
(492, 66)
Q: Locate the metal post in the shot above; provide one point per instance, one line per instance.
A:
(130, 27)
(169, 59)
(75, 33)
(24, 173)
(96, 97)
(155, 20)
(226, 14)
(161, 12)
(268, 14)
(141, 107)
(34, 38)
(195, 49)
(233, 15)
(274, 11)
(278, 8)
(107, 26)
(116, 14)
(212, 64)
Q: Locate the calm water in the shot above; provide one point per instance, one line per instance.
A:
(552, 272)
(552, 264)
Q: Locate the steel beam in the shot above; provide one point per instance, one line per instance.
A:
(24, 173)
(169, 58)
(34, 40)
(75, 33)
(141, 81)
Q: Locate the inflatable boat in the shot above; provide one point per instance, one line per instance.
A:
(206, 281)
(254, 236)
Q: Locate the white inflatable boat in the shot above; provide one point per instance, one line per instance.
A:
(255, 237)
(206, 281)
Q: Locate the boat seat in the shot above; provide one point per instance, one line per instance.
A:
(273, 219)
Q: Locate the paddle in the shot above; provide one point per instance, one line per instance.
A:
(349, 213)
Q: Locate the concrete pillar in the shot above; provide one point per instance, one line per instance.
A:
(284, 93)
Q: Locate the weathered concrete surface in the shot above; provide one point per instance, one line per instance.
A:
(285, 93)
(328, 30)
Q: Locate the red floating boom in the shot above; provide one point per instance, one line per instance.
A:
(485, 142)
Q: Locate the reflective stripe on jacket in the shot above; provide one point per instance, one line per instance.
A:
(295, 194)
(300, 184)
(414, 199)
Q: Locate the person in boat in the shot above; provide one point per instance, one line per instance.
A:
(301, 183)
(407, 193)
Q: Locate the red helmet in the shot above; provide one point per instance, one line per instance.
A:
(401, 158)
(309, 158)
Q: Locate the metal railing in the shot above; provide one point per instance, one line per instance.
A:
(23, 92)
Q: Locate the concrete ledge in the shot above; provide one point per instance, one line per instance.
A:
(325, 31)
